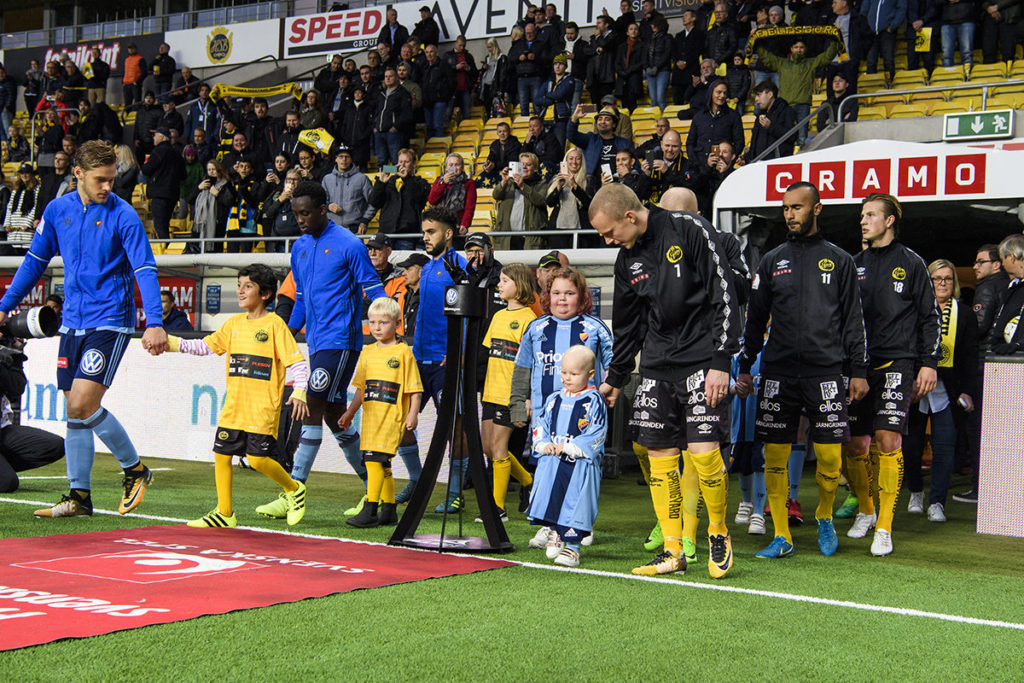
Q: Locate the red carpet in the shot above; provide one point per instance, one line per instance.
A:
(79, 585)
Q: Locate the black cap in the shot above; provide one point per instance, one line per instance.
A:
(414, 259)
(378, 241)
(425, 9)
(162, 130)
(343, 148)
(550, 259)
(478, 239)
(27, 168)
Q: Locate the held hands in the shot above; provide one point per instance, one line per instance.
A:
(345, 421)
(925, 382)
(610, 393)
(411, 421)
(858, 388)
(716, 387)
(154, 340)
(299, 408)
(744, 384)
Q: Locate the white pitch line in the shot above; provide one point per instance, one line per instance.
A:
(792, 597)
(151, 469)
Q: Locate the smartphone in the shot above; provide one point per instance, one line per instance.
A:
(650, 157)
(588, 108)
(716, 151)
(390, 169)
(606, 169)
(269, 167)
(563, 167)
(515, 168)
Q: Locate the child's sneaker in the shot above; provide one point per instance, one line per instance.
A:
(275, 509)
(554, 545)
(214, 519)
(296, 504)
(743, 512)
(568, 558)
(540, 539)
(756, 527)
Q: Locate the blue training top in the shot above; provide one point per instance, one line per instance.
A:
(430, 342)
(105, 251)
(331, 274)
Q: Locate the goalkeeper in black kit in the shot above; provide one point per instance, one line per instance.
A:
(903, 333)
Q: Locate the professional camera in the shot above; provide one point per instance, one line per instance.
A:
(36, 323)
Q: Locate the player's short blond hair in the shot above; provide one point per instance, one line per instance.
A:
(386, 306)
(582, 355)
(614, 200)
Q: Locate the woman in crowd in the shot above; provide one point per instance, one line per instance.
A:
(33, 85)
(494, 76)
(23, 212)
(569, 195)
(127, 173)
(212, 200)
(716, 122)
(312, 111)
(278, 219)
(657, 59)
(195, 171)
(455, 190)
(629, 68)
(950, 401)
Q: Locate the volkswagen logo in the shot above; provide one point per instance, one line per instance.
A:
(320, 379)
(93, 362)
(451, 296)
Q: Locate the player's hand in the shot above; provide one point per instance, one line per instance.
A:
(744, 384)
(345, 421)
(154, 340)
(716, 387)
(559, 447)
(519, 424)
(925, 382)
(410, 421)
(858, 388)
(549, 449)
(610, 393)
(299, 408)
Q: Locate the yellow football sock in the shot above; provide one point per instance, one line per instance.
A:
(690, 482)
(387, 491)
(667, 498)
(890, 478)
(776, 482)
(859, 480)
(830, 457)
(714, 485)
(502, 468)
(644, 460)
(222, 474)
(374, 481)
(520, 473)
(272, 469)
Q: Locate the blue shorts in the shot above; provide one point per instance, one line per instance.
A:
(89, 354)
(432, 377)
(330, 372)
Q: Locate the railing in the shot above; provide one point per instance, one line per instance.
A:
(32, 130)
(805, 121)
(984, 87)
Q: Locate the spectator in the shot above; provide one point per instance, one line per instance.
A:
(775, 120)
(697, 94)
(69, 143)
(737, 76)
(989, 292)
(544, 144)
(202, 146)
(243, 217)
(212, 200)
(600, 146)
(462, 65)
(626, 17)
(601, 63)
(569, 196)
(392, 119)
(884, 18)
(455, 191)
(185, 85)
(18, 148)
(671, 170)
(275, 176)
(173, 318)
(1007, 336)
(558, 93)
(776, 17)
(719, 165)
(438, 84)
(261, 130)
(494, 77)
(717, 122)
(33, 85)
(53, 81)
(309, 166)
(202, 114)
(630, 58)
(393, 34)
(326, 81)
(96, 74)
(411, 267)
(657, 61)
(528, 58)
(400, 197)
(920, 14)
(946, 406)
(686, 48)
(553, 20)
(98, 122)
(134, 73)
(239, 150)
(171, 119)
(163, 68)
(58, 183)
(957, 18)
(999, 27)
(278, 218)
(503, 149)
(522, 204)
(650, 15)
(147, 119)
(127, 173)
(720, 40)
(839, 90)
(8, 102)
(375, 67)
(856, 33)
(577, 55)
(403, 71)
(164, 171)
(348, 194)
(548, 36)
(626, 172)
(426, 31)
(195, 171)
(809, 12)
(796, 76)
(74, 84)
(378, 248)
(388, 59)
(661, 126)
(49, 141)
(355, 129)
(23, 212)
(312, 115)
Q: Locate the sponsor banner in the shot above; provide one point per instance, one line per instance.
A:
(169, 404)
(229, 44)
(342, 31)
(36, 297)
(81, 585)
(185, 293)
(112, 51)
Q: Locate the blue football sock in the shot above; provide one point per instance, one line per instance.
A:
(348, 439)
(410, 456)
(745, 484)
(110, 431)
(310, 439)
(573, 546)
(457, 477)
(79, 451)
(759, 493)
(796, 468)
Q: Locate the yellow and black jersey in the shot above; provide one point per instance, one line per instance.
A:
(502, 340)
(258, 351)
(388, 376)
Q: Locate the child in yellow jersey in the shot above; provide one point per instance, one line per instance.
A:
(259, 347)
(389, 389)
(515, 287)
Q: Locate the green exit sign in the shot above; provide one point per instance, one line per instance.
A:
(978, 125)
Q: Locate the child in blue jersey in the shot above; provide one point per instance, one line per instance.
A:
(748, 453)
(568, 437)
(537, 372)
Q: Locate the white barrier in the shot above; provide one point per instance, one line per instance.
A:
(168, 404)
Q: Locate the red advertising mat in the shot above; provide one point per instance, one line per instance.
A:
(80, 585)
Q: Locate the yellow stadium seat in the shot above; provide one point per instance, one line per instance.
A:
(871, 113)
(474, 124)
(909, 79)
(672, 110)
(1006, 101)
(428, 173)
(871, 82)
(886, 100)
(984, 71)
(953, 107)
(947, 74)
(645, 113)
(1017, 69)
(432, 158)
(899, 111)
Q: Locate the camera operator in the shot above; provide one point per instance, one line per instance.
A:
(21, 448)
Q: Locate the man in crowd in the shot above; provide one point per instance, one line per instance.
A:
(400, 197)
(796, 76)
(392, 119)
(58, 183)
(686, 48)
(671, 170)
(202, 114)
(393, 34)
(426, 31)
(164, 170)
(173, 318)
(776, 118)
(96, 73)
(162, 67)
(505, 148)
(599, 147)
(135, 71)
(528, 58)
(438, 84)
(544, 144)
(348, 193)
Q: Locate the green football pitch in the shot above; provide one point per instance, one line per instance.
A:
(948, 603)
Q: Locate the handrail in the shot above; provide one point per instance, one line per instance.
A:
(910, 91)
(775, 145)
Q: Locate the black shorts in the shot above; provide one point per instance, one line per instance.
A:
(675, 414)
(237, 442)
(887, 403)
(498, 414)
(781, 400)
(377, 456)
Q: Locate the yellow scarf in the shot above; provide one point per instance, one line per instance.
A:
(948, 341)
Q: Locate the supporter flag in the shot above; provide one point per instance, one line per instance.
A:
(318, 138)
(220, 90)
(778, 40)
